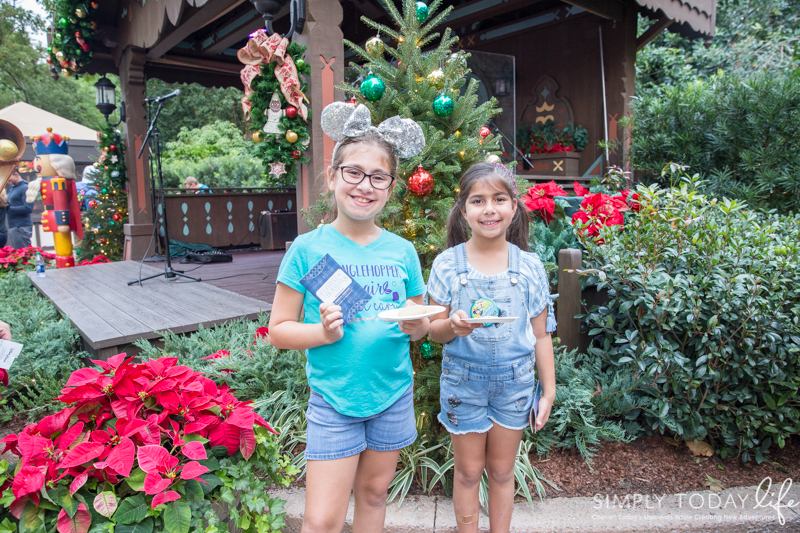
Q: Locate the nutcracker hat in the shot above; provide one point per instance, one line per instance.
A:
(50, 143)
(10, 132)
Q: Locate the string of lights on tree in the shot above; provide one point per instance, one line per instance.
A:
(283, 152)
(72, 35)
(107, 210)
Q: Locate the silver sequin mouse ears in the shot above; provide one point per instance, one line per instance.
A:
(340, 120)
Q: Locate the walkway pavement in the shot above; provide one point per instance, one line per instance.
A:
(745, 509)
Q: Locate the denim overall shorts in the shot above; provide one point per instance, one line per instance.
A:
(488, 376)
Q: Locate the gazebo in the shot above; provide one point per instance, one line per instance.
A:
(575, 57)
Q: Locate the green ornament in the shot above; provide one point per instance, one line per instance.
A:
(443, 105)
(105, 136)
(63, 22)
(300, 63)
(422, 12)
(111, 222)
(49, 49)
(104, 190)
(426, 350)
(373, 88)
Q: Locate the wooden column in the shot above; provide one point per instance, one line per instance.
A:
(140, 205)
(325, 54)
(619, 47)
(568, 303)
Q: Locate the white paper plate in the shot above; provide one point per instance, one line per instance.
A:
(391, 314)
(490, 319)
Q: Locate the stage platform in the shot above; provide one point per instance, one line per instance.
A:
(109, 314)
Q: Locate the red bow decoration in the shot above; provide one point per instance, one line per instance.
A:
(262, 49)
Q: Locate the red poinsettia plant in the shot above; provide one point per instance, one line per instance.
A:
(19, 258)
(540, 199)
(127, 428)
(599, 210)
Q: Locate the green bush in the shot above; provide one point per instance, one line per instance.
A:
(743, 135)
(704, 305)
(51, 348)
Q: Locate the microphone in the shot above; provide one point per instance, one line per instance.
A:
(176, 92)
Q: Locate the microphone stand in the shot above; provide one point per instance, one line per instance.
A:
(516, 150)
(155, 146)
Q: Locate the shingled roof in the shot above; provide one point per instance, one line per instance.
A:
(693, 18)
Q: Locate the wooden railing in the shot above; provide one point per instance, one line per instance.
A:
(568, 303)
(223, 216)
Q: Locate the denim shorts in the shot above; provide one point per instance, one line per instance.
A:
(473, 398)
(332, 435)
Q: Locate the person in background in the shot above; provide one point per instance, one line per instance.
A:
(18, 215)
(191, 183)
(3, 209)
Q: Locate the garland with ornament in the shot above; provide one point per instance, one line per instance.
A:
(72, 35)
(106, 202)
(274, 103)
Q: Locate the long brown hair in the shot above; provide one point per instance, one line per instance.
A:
(457, 227)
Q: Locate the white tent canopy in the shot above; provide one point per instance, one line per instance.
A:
(34, 121)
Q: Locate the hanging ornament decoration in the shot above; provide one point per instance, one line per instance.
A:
(373, 88)
(420, 183)
(257, 137)
(436, 79)
(277, 169)
(485, 132)
(291, 111)
(426, 350)
(374, 46)
(80, 13)
(443, 105)
(262, 49)
(422, 12)
(117, 217)
(8, 150)
(296, 154)
(291, 136)
(492, 158)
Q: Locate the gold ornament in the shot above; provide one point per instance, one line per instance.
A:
(419, 79)
(93, 25)
(60, 55)
(80, 13)
(291, 136)
(257, 137)
(374, 46)
(458, 133)
(8, 150)
(492, 158)
(436, 79)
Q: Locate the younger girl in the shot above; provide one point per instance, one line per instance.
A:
(360, 413)
(487, 382)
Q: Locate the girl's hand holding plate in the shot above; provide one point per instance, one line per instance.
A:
(413, 328)
(461, 328)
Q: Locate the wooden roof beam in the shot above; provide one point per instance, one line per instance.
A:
(607, 9)
(197, 63)
(477, 10)
(207, 14)
(653, 31)
(242, 30)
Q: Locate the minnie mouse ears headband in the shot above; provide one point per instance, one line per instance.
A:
(340, 120)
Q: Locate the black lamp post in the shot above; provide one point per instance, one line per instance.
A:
(106, 99)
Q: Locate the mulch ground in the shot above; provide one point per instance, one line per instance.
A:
(655, 465)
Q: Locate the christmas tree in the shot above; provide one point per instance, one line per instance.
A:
(404, 73)
(106, 202)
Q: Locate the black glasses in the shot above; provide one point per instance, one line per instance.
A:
(354, 176)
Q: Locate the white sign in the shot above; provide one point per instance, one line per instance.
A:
(8, 352)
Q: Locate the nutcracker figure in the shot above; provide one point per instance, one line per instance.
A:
(62, 213)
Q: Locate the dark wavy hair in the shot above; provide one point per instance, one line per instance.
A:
(457, 227)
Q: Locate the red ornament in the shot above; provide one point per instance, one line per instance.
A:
(92, 204)
(485, 132)
(77, 34)
(117, 217)
(420, 183)
(291, 111)
(105, 167)
(113, 147)
(296, 154)
(95, 5)
(85, 47)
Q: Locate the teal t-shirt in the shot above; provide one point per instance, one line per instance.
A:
(369, 368)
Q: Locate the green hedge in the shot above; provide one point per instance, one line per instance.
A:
(742, 135)
(705, 306)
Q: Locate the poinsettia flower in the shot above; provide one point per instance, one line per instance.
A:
(580, 190)
(598, 210)
(540, 198)
(218, 355)
(261, 333)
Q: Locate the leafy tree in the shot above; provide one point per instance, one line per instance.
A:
(216, 154)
